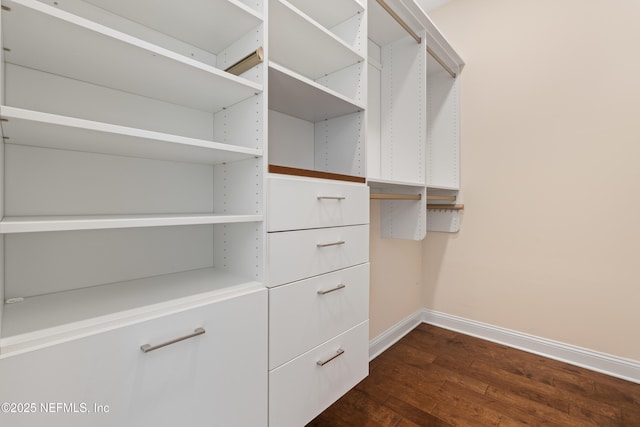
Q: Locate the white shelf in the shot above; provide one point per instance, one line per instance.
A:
(303, 45)
(100, 222)
(297, 96)
(390, 183)
(329, 13)
(442, 187)
(26, 127)
(45, 319)
(211, 25)
(51, 40)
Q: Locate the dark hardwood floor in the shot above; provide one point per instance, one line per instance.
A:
(436, 377)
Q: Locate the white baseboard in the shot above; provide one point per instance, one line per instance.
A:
(589, 359)
(393, 334)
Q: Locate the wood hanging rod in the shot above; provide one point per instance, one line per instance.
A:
(399, 20)
(445, 198)
(445, 207)
(246, 63)
(441, 62)
(391, 196)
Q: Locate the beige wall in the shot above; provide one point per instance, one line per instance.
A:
(550, 238)
(396, 277)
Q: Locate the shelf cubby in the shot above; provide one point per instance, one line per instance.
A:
(69, 45)
(304, 46)
(291, 92)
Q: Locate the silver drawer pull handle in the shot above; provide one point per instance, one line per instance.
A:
(337, 288)
(340, 352)
(324, 245)
(148, 347)
(331, 197)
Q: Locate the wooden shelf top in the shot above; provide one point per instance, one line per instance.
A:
(314, 174)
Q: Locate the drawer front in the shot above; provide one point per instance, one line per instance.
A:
(296, 255)
(301, 389)
(299, 203)
(207, 380)
(303, 315)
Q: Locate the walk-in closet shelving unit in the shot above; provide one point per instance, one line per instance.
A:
(397, 119)
(443, 135)
(318, 210)
(133, 202)
(400, 129)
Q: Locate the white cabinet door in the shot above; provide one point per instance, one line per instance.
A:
(305, 314)
(105, 380)
(298, 203)
(295, 255)
(303, 388)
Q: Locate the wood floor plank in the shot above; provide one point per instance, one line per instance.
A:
(355, 409)
(437, 377)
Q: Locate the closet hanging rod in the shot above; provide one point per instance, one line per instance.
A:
(393, 196)
(441, 62)
(399, 20)
(445, 207)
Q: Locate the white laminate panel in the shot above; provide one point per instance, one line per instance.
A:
(209, 379)
(305, 314)
(301, 389)
(297, 203)
(295, 255)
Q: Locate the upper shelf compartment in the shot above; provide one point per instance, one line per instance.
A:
(329, 13)
(45, 38)
(383, 27)
(297, 96)
(211, 25)
(305, 46)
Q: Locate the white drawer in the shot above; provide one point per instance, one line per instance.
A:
(295, 255)
(207, 380)
(299, 203)
(304, 314)
(301, 389)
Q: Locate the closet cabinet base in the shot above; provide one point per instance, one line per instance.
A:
(106, 379)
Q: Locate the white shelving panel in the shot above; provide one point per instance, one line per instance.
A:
(33, 128)
(134, 165)
(71, 46)
(443, 136)
(45, 319)
(304, 46)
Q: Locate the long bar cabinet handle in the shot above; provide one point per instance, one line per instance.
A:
(331, 197)
(324, 245)
(340, 352)
(148, 347)
(337, 288)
